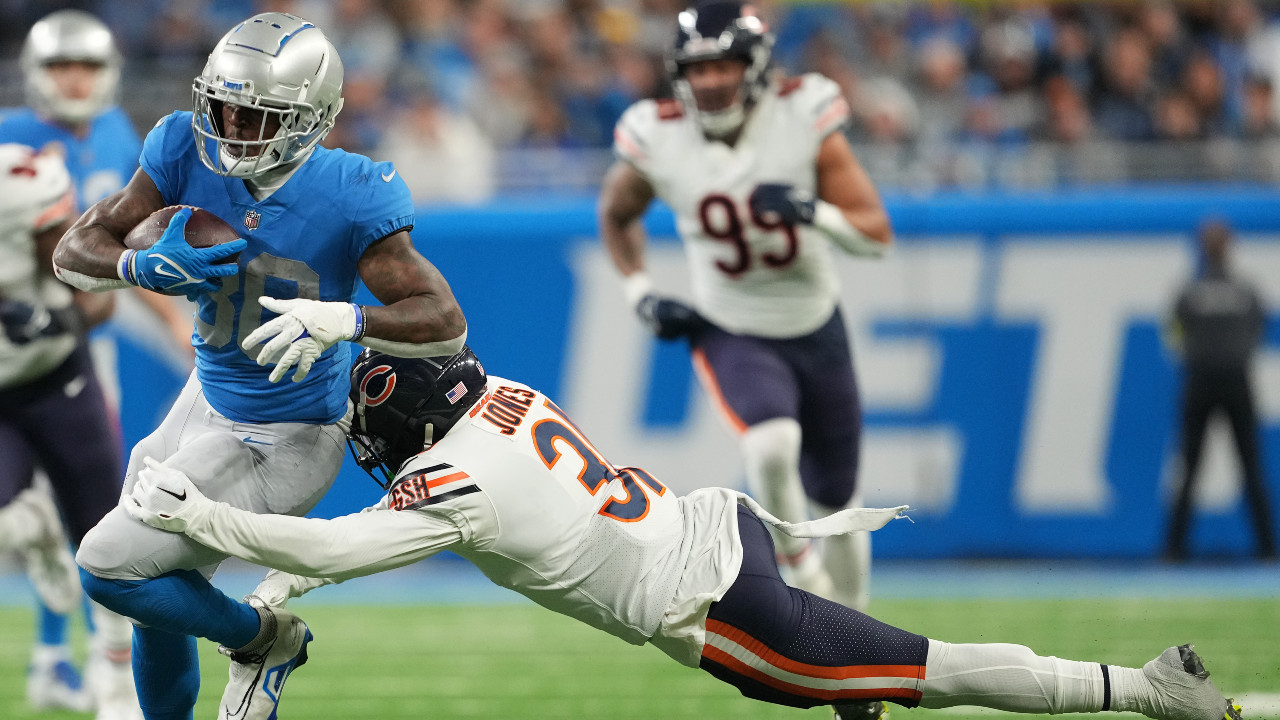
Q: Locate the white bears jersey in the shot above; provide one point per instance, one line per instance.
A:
(35, 195)
(749, 277)
(518, 490)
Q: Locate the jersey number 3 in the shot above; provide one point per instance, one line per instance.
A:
(596, 471)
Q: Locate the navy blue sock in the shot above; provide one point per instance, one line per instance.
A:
(166, 671)
(181, 602)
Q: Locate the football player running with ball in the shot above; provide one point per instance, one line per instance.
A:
(313, 220)
(762, 182)
(495, 472)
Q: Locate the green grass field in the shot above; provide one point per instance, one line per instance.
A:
(519, 661)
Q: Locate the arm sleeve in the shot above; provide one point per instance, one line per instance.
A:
(387, 208)
(338, 549)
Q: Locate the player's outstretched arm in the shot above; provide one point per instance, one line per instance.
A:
(340, 549)
(87, 257)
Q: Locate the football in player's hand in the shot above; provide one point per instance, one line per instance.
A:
(204, 229)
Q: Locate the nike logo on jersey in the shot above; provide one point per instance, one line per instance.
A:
(386, 177)
(249, 439)
(181, 497)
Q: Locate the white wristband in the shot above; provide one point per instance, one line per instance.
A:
(831, 221)
(635, 286)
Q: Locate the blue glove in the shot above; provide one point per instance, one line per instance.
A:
(793, 206)
(24, 322)
(173, 267)
(669, 319)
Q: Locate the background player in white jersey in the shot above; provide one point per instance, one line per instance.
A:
(314, 221)
(494, 471)
(71, 72)
(71, 69)
(47, 384)
(740, 156)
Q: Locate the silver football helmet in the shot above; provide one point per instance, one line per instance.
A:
(278, 64)
(69, 36)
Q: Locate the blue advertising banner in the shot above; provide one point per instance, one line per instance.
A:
(1016, 389)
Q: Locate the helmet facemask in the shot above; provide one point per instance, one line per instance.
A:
(299, 128)
(722, 30)
(285, 73)
(70, 36)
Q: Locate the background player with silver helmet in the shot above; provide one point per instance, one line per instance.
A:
(71, 69)
(314, 221)
(494, 471)
(762, 182)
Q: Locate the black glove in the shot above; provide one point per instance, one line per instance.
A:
(669, 319)
(793, 206)
(24, 322)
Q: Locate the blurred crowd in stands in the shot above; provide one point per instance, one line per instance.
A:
(476, 97)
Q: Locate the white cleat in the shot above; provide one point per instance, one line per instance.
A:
(257, 675)
(56, 685)
(50, 565)
(1184, 690)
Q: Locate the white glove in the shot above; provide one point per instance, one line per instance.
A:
(165, 498)
(304, 329)
(278, 587)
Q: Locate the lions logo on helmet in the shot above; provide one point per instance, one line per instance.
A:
(405, 405)
(70, 36)
(722, 29)
(280, 65)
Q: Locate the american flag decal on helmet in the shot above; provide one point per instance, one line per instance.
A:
(252, 218)
(458, 391)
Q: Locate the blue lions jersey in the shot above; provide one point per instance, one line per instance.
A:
(100, 163)
(305, 240)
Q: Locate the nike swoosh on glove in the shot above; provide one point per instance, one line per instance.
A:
(165, 498)
(173, 267)
(304, 329)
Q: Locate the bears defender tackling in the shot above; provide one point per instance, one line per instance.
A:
(314, 221)
(494, 471)
(761, 181)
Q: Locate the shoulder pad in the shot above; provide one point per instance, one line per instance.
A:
(818, 100)
(631, 136)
